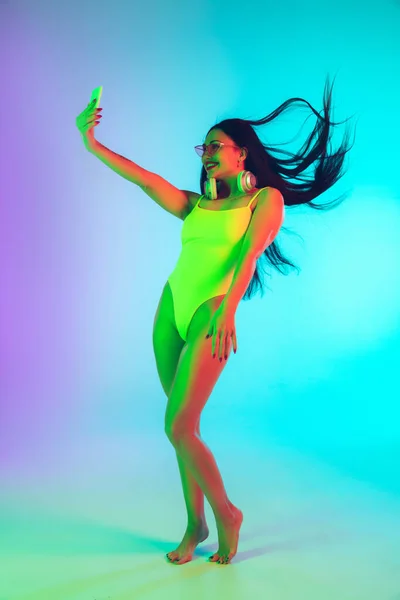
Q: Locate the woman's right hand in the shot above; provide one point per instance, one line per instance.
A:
(87, 121)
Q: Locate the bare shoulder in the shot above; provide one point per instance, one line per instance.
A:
(263, 198)
(193, 197)
(270, 193)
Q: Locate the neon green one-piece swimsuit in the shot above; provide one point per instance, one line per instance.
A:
(211, 243)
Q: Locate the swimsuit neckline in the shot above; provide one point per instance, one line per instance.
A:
(225, 210)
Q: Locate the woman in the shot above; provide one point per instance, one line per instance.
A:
(225, 233)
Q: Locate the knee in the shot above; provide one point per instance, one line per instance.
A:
(172, 432)
(177, 431)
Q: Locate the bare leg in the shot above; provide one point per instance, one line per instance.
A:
(194, 497)
(195, 378)
(197, 530)
(203, 466)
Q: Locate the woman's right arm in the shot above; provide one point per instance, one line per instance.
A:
(173, 200)
(121, 165)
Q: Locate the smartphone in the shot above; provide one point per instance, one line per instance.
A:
(96, 95)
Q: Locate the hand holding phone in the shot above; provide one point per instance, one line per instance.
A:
(90, 117)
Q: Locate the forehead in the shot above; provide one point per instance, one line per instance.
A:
(216, 134)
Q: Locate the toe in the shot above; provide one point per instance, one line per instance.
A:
(214, 557)
(171, 557)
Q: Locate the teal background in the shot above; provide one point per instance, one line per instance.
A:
(85, 254)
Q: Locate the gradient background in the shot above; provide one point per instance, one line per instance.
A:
(314, 387)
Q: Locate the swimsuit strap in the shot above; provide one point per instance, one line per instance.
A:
(248, 205)
(254, 196)
(197, 203)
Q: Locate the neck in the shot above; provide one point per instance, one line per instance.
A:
(228, 187)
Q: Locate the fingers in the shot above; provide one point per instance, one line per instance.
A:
(222, 343)
(89, 112)
(90, 117)
(92, 114)
(220, 347)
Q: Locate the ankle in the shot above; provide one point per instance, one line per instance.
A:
(229, 513)
(197, 523)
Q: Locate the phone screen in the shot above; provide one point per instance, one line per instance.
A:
(96, 95)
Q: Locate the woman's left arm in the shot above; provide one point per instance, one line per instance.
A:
(265, 223)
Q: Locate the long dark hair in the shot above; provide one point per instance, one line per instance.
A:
(277, 172)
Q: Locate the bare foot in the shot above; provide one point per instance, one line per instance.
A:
(184, 552)
(228, 538)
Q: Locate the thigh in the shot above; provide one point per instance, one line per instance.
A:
(196, 374)
(167, 343)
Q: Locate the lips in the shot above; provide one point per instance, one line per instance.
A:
(210, 166)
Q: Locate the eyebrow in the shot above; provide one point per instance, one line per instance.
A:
(213, 141)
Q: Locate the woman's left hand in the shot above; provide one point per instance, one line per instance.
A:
(222, 328)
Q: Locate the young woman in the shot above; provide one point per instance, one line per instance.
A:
(224, 235)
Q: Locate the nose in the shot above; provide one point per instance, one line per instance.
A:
(206, 155)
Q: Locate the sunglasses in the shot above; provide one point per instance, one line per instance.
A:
(211, 148)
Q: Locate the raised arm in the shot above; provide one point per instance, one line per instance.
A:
(170, 198)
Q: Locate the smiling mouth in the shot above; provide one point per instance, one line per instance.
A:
(212, 166)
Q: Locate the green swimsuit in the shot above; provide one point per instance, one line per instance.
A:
(211, 242)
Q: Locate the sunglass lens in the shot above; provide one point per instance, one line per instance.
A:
(199, 150)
